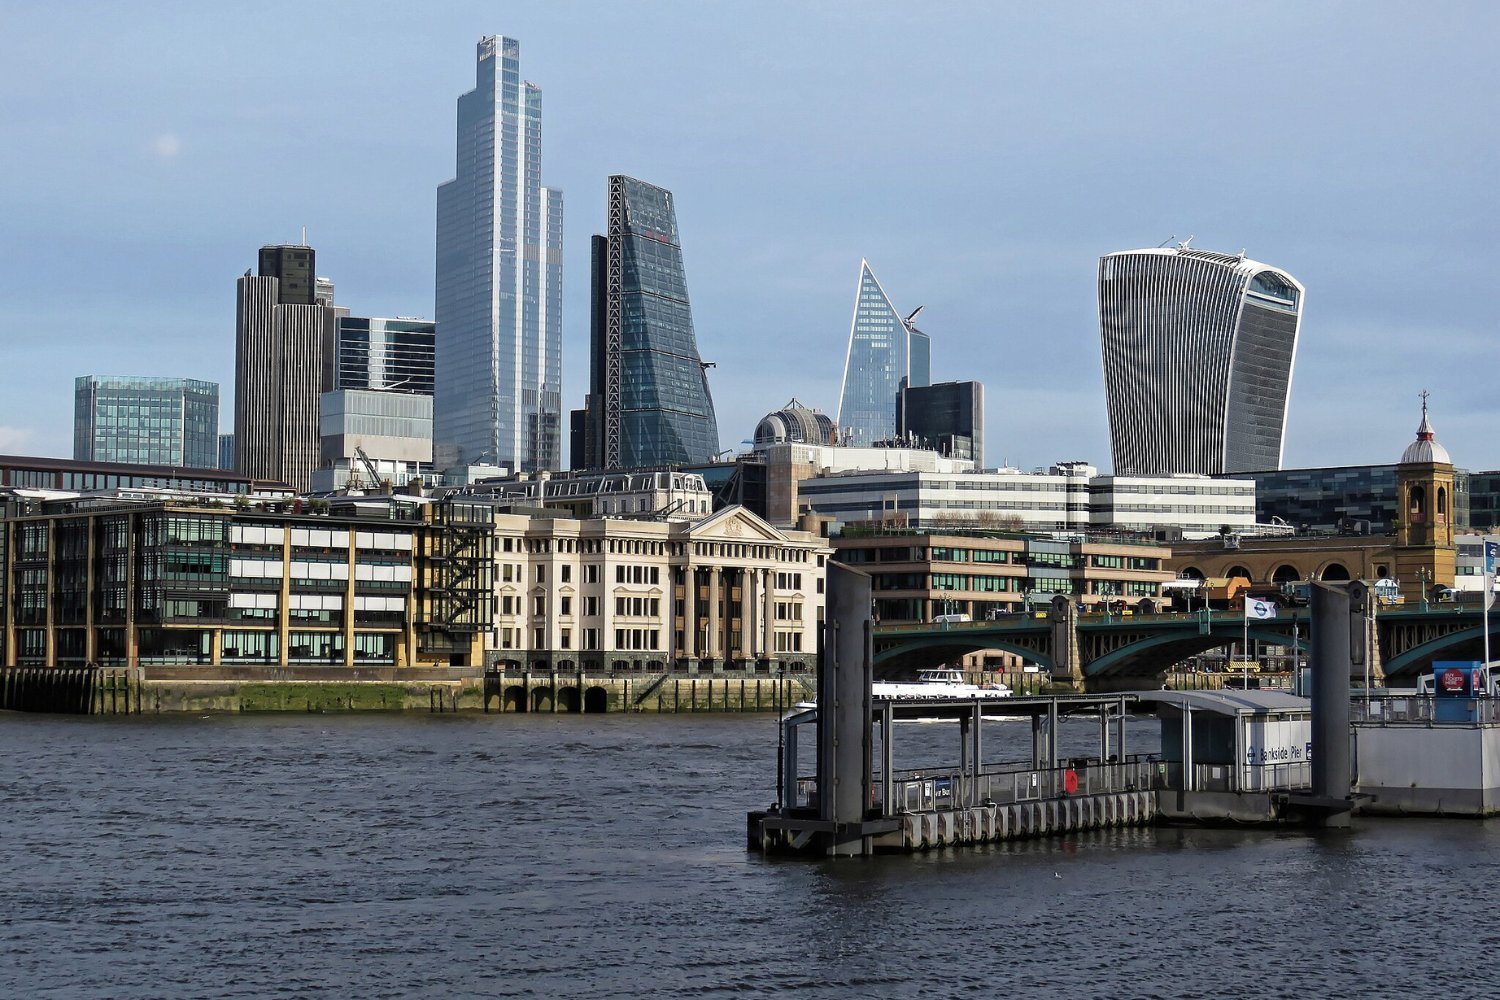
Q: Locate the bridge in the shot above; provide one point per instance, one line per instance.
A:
(1100, 652)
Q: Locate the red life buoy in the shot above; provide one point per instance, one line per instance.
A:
(1070, 781)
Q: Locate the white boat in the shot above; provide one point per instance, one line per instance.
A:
(938, 682)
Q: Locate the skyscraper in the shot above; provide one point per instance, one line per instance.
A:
(279, 338)
(648, 402)
(884, 349)
(1198, 350)
(146, 421)
(498, 392)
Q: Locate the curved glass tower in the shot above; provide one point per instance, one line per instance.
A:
(883, 350)
(1198, 350)
(649, 402)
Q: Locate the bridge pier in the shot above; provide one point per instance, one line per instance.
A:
(1067, 664)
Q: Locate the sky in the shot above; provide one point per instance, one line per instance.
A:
(981, 156)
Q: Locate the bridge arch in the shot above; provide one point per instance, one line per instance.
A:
(943, 648)
(1285, 573)
(1412, 661)
(1243, 571)
(1188, 645)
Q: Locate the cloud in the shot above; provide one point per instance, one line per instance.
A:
(13, 440)
(166, 146)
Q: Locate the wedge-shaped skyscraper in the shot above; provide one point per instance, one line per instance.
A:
(648, 393)
(1198, 350)
(498, 393)
(883, 350)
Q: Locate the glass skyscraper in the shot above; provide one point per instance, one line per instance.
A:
(884, 349)
(498, 390)
(649, 402)
(1198, 350)
(146, 421)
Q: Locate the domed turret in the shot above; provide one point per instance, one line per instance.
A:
(1425, 448)
(795, 424)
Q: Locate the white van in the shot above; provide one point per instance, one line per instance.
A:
(940, 619)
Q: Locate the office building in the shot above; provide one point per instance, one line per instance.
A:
(947, 417)
(917, 576)
(139, 581)
(648, 401)
(498, 388)
(724, 591)
(226, 450)
(281, 333)
(885, 349)
(1198, 350)
(1069, 497)
(658, 495)
(40, 473)
(375, 424)
(149, 421)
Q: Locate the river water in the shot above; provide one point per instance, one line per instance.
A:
(602, 856)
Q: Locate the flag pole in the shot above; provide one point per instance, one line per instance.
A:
(1489, 587)
(1245, 644)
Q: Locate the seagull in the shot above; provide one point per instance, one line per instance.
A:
(1056, 875)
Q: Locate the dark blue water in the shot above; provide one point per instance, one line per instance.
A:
(450, 856)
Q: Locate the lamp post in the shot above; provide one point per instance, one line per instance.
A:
(1423, 575)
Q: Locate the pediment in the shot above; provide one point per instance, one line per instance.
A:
(735, 524)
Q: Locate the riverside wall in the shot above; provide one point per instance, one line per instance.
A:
(149, 691)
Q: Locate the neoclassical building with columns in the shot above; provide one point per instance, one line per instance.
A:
(727, 591)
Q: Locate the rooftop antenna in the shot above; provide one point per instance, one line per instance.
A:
(1184, 244)
(913, 316)
(304, 236)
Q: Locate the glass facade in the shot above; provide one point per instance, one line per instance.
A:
(1198, 350)
(395, 355)
(146, 421)
(498, 375)
(883, 350)
(947, 417)
(655, 406)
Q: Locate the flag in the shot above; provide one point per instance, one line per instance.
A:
(1491, 556)
(1258, 609)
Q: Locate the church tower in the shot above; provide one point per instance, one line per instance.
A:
(1425, 554)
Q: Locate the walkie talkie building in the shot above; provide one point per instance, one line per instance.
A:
(1198, 351)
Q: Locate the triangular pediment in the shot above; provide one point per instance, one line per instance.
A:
(735, 524)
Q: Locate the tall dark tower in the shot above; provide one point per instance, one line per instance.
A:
(280, 334)
(648, 400)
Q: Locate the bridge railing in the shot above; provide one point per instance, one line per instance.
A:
(1238, 778)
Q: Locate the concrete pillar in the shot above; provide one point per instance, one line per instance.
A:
(1335, 623)
(844, 725)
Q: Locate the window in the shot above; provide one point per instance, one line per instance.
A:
(541, 574)
(567, 573)
(591, 605)
(566, 606)
(566, 639)
(539, 605)
(591, 573)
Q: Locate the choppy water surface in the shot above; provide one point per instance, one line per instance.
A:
(450, 856)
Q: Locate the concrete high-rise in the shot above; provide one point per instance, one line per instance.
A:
(884, 352)
(498, 391)
(280, 334)
(648, 401)
(146, 421)
(1198, 350)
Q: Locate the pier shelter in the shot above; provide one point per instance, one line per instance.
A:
(1228, 753)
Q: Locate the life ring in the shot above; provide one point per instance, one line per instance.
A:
(1070, 781)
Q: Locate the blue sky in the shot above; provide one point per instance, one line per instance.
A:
(982, 156)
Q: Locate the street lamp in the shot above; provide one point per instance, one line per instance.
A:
(1423, 576)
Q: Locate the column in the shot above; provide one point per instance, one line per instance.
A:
(690, 612)
(768, 614)
(747, 608)
(715, 634)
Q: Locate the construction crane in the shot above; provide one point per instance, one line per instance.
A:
(369, 467)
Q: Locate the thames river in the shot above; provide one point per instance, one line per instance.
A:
(601, 856)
